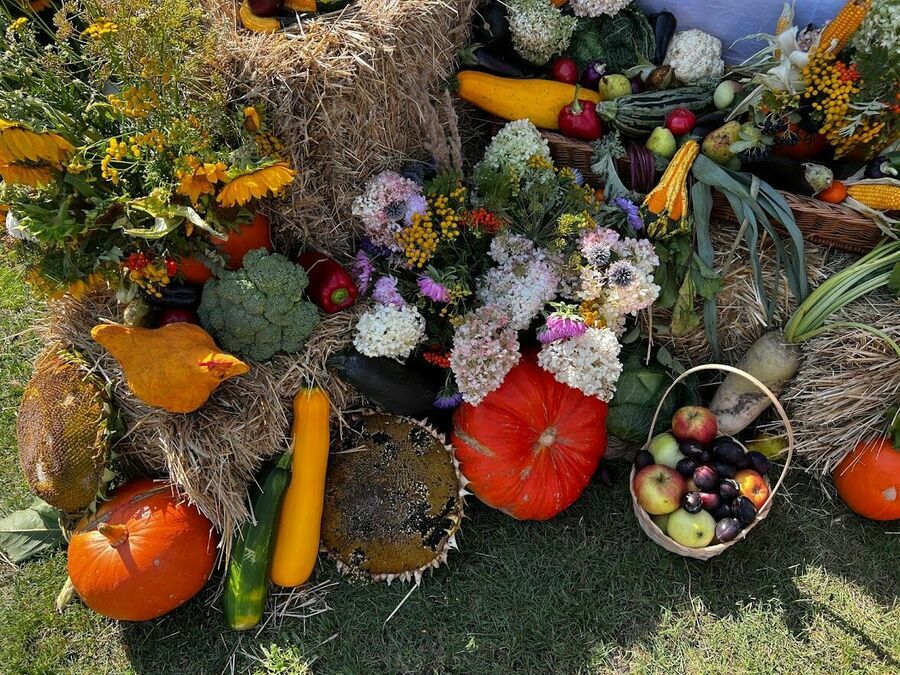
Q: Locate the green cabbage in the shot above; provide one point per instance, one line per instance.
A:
(619, 41)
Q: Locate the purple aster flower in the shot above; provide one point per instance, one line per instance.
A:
(578, 177)
(372, 248)
(386, 293)
(415, 204)
(632, 212)
(622, 274)
(560, 327)
(448, 401)
(432, 290)
(362, 271)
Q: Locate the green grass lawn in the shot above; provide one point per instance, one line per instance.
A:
(814, 590)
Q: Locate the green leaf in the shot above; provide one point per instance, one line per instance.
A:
(684, 316)
(894, 279)
(706, 281)
(31, 531)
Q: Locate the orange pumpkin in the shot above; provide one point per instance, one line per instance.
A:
(531, 446)
(868, 480)
(247, 237)
(193, 271)
(142, 554)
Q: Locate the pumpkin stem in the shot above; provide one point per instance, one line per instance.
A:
(115, 534)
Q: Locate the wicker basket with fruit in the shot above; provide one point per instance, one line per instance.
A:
(696, 493)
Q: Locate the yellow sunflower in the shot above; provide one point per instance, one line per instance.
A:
(256, 184)
(18, 143)
(35, 176)
(251, 118)
(200, 178)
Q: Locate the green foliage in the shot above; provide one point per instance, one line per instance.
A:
(619, 41)
(258, 310)
(30, 532)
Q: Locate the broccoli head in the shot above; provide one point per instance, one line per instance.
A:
(259, 310)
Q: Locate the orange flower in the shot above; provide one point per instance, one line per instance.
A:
(251, 118)
(200, 178)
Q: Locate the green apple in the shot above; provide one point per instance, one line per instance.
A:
(768, 444)
(662, 142)
(725, 93)
(694, 530)
(613, 86)
(662, 522)
(658, 489)
(664, 449)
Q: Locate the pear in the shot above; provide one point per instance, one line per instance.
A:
(662, 142)
(613, 86)
(717, 144)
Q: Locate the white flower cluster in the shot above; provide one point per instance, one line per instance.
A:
(880, 29)
(539, 30)
(514, 145)
(598, 7)
(695, 56)
(589, 362)
(485, 349)
(522, 283)
(386, 330)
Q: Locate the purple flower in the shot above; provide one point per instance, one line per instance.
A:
(578, 177)
(386, 293)
(560, 327)
(362, 271)
(448, 401)
(415, 204)
(432, 290)
(632, 212)
(622, 274)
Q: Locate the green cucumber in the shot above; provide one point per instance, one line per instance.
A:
(640, 114)
(247, 583)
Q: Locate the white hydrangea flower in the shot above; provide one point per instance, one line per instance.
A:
(386, 330)
(593, 8)
(514, 145)
(539, 30)
(589, 362)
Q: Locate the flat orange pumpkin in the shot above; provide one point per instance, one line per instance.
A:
(531, 446)
(868, 480)
(142, 554)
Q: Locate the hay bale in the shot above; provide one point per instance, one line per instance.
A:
(741, 317)
(212, 454)
(349, 94)
(848, 380)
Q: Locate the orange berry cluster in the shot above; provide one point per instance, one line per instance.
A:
(482, 219)
(441, 360)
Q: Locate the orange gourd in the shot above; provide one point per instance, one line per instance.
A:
(834, 193)
(246, 238)
(175, 367)
(142, 554)
(531, 446)
(868, 480)
(193, 271)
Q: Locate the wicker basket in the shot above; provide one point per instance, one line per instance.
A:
(660, 537)
(830, 225)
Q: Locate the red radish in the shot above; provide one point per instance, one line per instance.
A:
(565, 70)
(681, 121)
(177, 315)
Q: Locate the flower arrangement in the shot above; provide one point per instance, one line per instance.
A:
(520, 253)
(539, 30)
(119, 152)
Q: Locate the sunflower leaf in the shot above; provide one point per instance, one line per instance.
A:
(29, 532)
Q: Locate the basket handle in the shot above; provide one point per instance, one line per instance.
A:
(759, 385)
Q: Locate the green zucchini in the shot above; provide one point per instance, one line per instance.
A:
(640, 114)
(247, 583)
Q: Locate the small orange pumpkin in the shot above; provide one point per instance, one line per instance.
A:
(193, 271)
(868, 480)
(247, 237)
(142, 554)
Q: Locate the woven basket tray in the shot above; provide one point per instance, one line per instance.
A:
(646, 522)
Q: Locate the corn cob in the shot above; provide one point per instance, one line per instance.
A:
(845, 24)
(879, 196)
(784, 22)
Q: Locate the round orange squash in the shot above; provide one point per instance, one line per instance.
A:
(531, 446)
(142, 554)
(247, 237)
(193, 271)
(868, 480)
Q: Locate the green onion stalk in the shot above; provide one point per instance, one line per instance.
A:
(867, 274)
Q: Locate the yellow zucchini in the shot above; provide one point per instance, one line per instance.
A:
(297, 541)
(511, 99)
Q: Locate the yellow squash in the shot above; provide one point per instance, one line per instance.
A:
(175, 367)
(299, 528)
(668, 202)
(537, 100)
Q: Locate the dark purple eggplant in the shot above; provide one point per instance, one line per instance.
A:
(490, 25)
(178, 295)
(884, 166)
(781, 173)
(637, 84)
(481, 58)
(593, 72)
(707, 123)
(664, 25)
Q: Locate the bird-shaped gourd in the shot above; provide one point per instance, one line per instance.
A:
(175, 367)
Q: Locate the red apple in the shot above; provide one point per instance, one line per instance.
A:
(565, 70)
(753, 487)
(681, 121)
(659, 489)
(695, 423)
(176, 315)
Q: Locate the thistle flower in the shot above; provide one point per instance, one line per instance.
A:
(433, 290)
(622, 274)
(448, 401)
(386, 293)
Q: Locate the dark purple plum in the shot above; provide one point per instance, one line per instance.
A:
(692, 502)
(729, 490)
(727, 529)
(691, 449)
(742, 463)
(725, 470)
(706, 478)
(706, 457)
(603, 474)
(686, 467)
(710, 500)
(723, 510)
(727, 450)
(759, 462)
(643, 459)
(742, 509)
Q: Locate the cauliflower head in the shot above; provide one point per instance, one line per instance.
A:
(259, 310)
(695, 56)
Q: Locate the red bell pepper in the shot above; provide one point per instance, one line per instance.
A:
(579, 119)
(331, 288)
